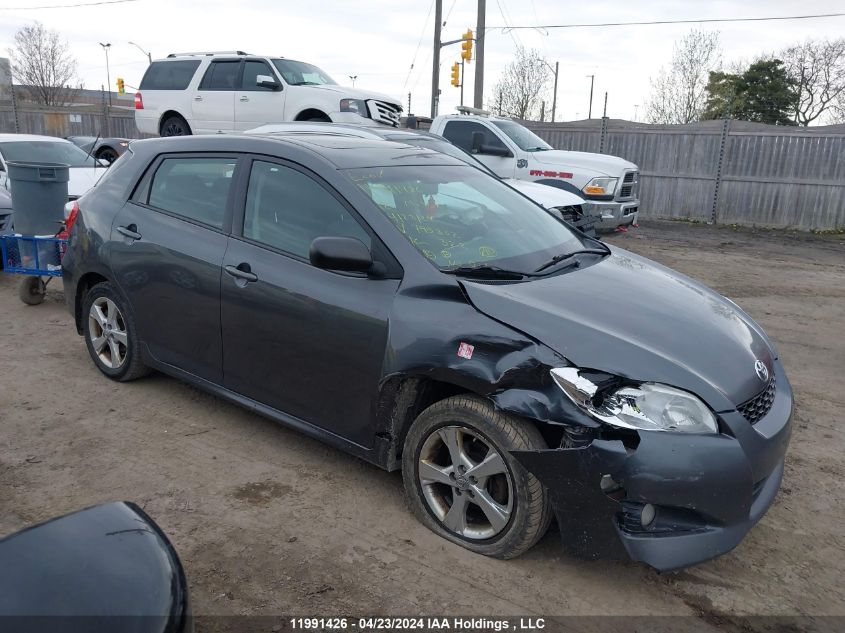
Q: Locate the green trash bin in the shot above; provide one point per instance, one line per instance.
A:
(39, 195)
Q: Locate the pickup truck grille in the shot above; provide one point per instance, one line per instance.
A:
(630, 186)
(384, 112)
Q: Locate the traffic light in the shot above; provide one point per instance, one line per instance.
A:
(121, 88)
(456, 74)
(466, 46)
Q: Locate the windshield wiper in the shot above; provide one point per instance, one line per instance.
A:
(559, 258)
(486, 271)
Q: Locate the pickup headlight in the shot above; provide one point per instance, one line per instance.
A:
(358, 106)
(600, 186)
(646, 407)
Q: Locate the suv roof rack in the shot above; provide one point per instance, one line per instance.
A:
(469, 110)
(207, 53)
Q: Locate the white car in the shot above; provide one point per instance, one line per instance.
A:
(85, 170)
(569, 206)
(211, 93)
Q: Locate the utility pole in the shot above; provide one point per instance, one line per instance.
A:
(108, 77)
(604, 116)
(554, 96)
(435, 56)
(478, 95)
(463, 77)
(542, 111)
(592, 81)
(636, 107)
(409, 103)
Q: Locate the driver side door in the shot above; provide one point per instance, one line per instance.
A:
(255, 104)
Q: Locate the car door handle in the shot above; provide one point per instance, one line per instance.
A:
(242, 271)
(198, 98)
(130, 231)
(244, 98)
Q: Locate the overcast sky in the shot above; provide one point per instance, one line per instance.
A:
(377, 39)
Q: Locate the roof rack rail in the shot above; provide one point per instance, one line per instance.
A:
(207, 53)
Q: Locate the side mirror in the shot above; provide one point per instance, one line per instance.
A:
(340, 253)
(266, 81)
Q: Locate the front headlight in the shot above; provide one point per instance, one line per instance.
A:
(646, 407)
(358, 106)
(600, 186)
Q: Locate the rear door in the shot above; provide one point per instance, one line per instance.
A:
(303, 340)
(255, 104)
(214, 101)
(167, 251)
(460, 133)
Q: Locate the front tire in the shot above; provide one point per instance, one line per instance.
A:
(463, 483)
(175, 125)
(110, 334)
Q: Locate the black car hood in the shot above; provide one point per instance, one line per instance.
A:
(629, 316)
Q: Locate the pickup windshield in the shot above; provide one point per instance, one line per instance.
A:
(523, 137)
(458, 216)
(302, 74)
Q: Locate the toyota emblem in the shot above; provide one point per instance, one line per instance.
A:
(762, 372)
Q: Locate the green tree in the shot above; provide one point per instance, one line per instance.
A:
(763, 93)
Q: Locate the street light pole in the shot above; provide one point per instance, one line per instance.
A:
(592, 81)
(149, 57)
(108, 75)
(353, 78)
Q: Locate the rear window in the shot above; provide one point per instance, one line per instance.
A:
(169, 75)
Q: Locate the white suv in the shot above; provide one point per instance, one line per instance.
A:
(213, 93)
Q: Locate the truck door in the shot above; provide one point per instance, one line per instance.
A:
(214, 101)
(493, 152)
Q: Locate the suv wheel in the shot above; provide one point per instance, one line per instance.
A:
(109, 330)
(175, 125)
(463, 483)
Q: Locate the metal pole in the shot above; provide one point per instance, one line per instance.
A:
(542, 111)
(478, 94)
(108, 74)
(14, 102)
(462, 81)
(605, 106)
(554, 96)
(409, 103)
(435, 57)
(590, 111)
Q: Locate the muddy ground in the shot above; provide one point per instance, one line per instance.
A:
(270, 522)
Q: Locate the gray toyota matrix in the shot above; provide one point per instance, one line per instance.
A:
(420, 314)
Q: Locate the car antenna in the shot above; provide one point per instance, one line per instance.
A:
(94, 160)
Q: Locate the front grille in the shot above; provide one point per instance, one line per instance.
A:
(385, 112)
(759, 405)
(630, 186)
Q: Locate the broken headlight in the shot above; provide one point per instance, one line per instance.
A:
(646, 407)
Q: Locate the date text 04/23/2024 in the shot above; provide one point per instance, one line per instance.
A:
(418, 624)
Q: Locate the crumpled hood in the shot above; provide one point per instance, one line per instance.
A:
(580, 161)
(354, 93)
(629, 316)
(549, 197)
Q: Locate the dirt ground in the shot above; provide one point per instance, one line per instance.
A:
(268, 521)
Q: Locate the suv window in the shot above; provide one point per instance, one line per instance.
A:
(460, 133)
(194, 188)
(169, 75)
(221, 76)
(253, 68)
(287, 209)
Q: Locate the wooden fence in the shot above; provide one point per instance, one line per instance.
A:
(84, 120)
(724, 171)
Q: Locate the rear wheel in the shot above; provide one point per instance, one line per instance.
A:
(463, 483)
(175, 125)
(107, 154)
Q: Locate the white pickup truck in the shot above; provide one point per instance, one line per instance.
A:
(511, 150)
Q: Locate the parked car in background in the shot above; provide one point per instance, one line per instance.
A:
(106, 568)
(5, 211)
(208, 93)
(419, 313)
(511, 150)
(568, 206)
(85, 170)
(107, 149)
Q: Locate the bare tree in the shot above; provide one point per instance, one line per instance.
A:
(678, 93)
(41, 61)
(818, 69)
(522, 85)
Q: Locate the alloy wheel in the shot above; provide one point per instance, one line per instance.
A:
(107, 331)
(465, 482)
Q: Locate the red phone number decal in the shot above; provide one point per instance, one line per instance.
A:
(550, 174)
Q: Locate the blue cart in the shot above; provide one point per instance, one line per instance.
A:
(39, 259)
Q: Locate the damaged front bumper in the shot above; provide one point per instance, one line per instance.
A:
(668, 499)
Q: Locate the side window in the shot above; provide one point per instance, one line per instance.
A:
(287, 209)
(168, 75)
(253, 68)
(460, 133)
(194, 188)
(220, 76)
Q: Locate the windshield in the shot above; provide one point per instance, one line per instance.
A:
(46, 152)
(302, 74)
(442, 146)
(523, 137)
(459, 216)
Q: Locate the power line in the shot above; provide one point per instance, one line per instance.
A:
(508, 29)
(67, 6)
(419, 43)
